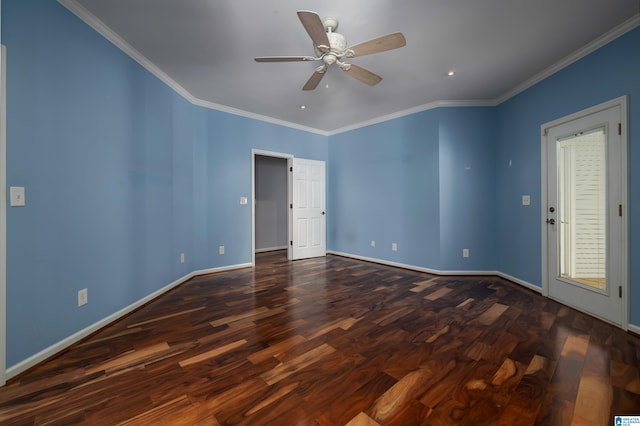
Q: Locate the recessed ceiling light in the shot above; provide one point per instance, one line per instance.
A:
(303, 107)
(451, 73)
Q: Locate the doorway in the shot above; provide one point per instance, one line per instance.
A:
(584, 169)
(305, 205)
(271, 204)
(267, 164)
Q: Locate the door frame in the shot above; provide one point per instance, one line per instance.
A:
(617, 102)
(289, 158)
(3, 217)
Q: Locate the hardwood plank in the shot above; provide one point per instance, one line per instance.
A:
(362, 420)
(492, 314)
(132, 359)
(285, 369)
(393, 400)
(593, 401)
(274, 350)
(165, 317)
(211, 353)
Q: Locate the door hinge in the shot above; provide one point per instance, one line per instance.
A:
(620, 210)
(291, 168)
(290, 206)
(620, 128)
(291, 243)
(620, 292)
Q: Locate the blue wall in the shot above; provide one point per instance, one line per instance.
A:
(122, 175)
(425, 182)
(383, 186)
(467, 188)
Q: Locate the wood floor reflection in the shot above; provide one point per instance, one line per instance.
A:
(336, 341)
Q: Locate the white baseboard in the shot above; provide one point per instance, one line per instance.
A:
(46, 353)
(264, 250)
(630, 327)
(523, 283)
(439, 272)
(633, 328)
(384, 262)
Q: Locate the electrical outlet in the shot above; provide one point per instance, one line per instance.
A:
(181, 257)
(373, 243)
(465, 252)
(221, 250)
(526, 200)
(83, 297)
(394, 246)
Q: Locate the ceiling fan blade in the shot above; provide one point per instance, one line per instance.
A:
(284, 58)
(312, 23)
(315, 79)
(380, 44)
(364, 75)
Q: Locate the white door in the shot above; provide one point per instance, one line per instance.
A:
(585, 227)
(308, 209)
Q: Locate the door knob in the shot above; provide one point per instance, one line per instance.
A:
(551, 221)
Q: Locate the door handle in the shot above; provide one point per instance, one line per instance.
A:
(551, 221)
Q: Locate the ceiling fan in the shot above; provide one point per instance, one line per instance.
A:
(331, 48)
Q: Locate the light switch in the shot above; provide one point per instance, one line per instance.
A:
(17, 196)
(526, 200)
(243, 200)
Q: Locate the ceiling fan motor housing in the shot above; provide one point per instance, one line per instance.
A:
(338, 46)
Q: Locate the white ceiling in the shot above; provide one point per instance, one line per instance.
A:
(205, 50)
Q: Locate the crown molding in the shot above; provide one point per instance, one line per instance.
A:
(99, 26)
(591, 47)
(414, 110)
(265, 118)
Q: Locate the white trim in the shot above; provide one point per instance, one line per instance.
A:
(268, 249)
(634, 328)
(589, 48)
(507, 277)
(414, 110)
(102, 29)
(621, 102)
(3, 217)
(95, 23)
(435, 271)
(255, 116)
(523, 283)
(46, 353)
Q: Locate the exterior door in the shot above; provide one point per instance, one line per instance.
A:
(586, 183)
(308, 209)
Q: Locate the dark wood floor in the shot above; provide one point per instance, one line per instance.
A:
(335, 341)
